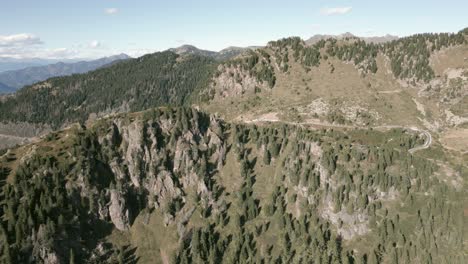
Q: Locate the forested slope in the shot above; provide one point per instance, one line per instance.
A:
(133, 85)
(166, 78)
(178, 185)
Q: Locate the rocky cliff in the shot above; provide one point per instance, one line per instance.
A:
(182, 185)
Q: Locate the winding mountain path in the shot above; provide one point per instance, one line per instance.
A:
(273, 118)
(426, 144)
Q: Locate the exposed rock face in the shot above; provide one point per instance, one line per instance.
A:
(184, 217)
(348, 225)
(134, 155)
(43, 251)
(13, 134)
(11, 141)
(351, 112)
(309, 154)
(315, 177)
(50, 258)
(149, 158)
(23, 129)
(172, 163)
(118, 212)
(235, 81)
(453, 119)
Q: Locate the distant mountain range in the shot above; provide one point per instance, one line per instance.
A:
(377, 39)
(224, 54)
(11, 64)
(232, 52)
(16, 79)
(335, 152)
(6, 89)
(43, 69)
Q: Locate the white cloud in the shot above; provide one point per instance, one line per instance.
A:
(25, 45)
(19, 40)
(111, 11)
(328, 11)
(18, 45)
(94, 44)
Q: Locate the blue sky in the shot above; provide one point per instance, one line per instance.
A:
(95, 28)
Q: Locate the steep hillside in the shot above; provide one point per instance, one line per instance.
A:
(19, 78)
(136, 84)
(419, 80)
(180, 186)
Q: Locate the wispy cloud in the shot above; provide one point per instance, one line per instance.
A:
(329, 11)
(111, 11)
(19, 40)
(94, 44)
(17, 45)
(26, 45)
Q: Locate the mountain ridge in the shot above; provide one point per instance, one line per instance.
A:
(371, 39)
(257, 70)
(190, 176)
(224, 54)
(18, 78)
(11, 63)
(339, 152)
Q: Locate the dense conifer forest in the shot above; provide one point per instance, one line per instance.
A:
(272, 193)
(342, 151)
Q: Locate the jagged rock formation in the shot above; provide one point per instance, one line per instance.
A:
(192, 176)
(309, 187)
(234, 81)
(283, 74)
(118, 211)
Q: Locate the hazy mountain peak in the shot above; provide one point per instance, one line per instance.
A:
(231, 48)
(223, 54)
(190, 49)
(347, 35)
(121, 56)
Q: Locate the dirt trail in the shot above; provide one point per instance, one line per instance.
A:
(390, 92)
(164, 257)
(274, 119)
